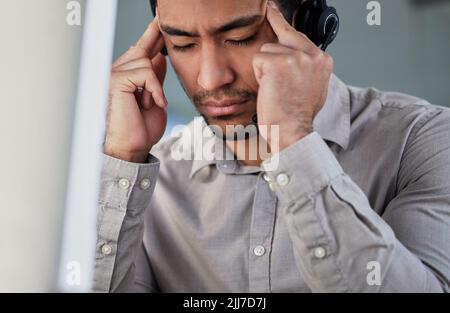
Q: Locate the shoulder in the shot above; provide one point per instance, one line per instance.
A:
(394, 111)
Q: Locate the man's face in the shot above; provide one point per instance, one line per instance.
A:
(211, 44)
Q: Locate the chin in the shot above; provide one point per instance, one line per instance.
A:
(233, 121)
(223, 121)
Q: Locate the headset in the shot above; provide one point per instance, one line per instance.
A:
(314, 18)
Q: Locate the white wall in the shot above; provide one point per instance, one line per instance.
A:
(39, 65)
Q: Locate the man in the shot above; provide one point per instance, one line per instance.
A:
(358, 199)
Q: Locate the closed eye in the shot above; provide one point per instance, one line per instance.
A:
(183, 48)
(242, 42)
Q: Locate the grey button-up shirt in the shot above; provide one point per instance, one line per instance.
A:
(360, 205)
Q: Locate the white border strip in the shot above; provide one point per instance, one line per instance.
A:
(79, 234)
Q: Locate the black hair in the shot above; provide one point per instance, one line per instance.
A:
(287, 7)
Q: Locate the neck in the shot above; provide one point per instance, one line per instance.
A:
(251, 151)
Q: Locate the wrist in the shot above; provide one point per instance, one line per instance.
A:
(128, 156)
(289, 138)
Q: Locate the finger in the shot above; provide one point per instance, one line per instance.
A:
(158, 64)
(287, 35)
(150, 37)
(147, 101)
(264, 62)
(130, 81)
(137, 63)
(136, 52)
(149, 45)
(144, 99)
(156, 90)
(276, 48)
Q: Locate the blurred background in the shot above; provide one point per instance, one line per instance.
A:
(409, 52)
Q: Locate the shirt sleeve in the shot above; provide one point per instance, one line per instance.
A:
(341, 244)
(125, 192)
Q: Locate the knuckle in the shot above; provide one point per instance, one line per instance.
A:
(147, 63)
(291, 59)
(134, 47)
(132, 50)
(317, 55)
(301, 58)
(286, 29)
(302, 35)
(328, 61)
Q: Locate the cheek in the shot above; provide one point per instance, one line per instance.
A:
(185, 69)
(246, 71)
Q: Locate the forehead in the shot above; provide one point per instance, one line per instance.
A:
(206, 14)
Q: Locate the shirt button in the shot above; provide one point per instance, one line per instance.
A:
(259, 250)
(282, 179)
(106, 249)
(145, 184)
(320, 252)
(124, 183)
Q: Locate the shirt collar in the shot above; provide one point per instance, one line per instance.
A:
(332, 123)
(199, 142)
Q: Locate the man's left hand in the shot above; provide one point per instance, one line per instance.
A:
(293, 77)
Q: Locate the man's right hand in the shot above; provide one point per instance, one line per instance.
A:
(137, 118)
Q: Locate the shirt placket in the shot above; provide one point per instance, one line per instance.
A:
(261, 237)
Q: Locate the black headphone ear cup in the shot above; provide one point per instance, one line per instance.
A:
(301, 17)
(327, 20)
(307, 19)
(153, 6)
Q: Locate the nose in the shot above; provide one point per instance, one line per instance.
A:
(215, 70)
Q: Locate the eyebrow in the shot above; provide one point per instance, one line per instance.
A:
(234, 24)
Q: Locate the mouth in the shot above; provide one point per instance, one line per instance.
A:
(226, 107)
